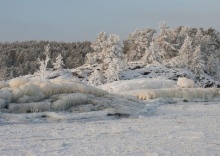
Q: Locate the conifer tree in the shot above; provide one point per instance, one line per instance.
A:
(185, 52)
(197, 62)
(138, 42)
(43, 63)
(59, 64)
(108, 55)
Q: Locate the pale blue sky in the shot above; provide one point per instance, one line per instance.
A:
(80, 20)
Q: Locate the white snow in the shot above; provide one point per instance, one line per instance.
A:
(185, 83)
(143, 83)
(146, 113)
(173, 129)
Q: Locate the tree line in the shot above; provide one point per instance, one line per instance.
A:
(195, 49)
(21, 58)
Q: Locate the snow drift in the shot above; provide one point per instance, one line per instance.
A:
(143, 83)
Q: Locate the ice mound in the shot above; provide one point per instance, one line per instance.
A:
(29, 107)
(27, 93)
(62, 95)
(204, 94)
(66, 101)
(17, 82)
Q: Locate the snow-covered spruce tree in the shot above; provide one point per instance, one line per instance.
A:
(152, 54)
(198, 64)
(107, 54)
(113, 59)
(99, 47)
(166, 40)
(164, 47)
(212, 67)
(113, 71)
(96, 78)
(137, 43)
(59, 64)
(43, 63)
(184, 53)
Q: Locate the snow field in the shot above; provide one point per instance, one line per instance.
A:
(177, 129)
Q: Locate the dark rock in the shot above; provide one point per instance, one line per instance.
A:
(146, 73)
(209, 84)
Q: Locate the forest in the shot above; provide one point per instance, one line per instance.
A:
(195, 49)
(21, 58)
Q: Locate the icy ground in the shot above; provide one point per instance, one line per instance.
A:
(170, 129)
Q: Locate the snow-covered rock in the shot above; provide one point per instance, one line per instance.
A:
(185, 83)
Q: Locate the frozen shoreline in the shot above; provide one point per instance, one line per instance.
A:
(173, 129)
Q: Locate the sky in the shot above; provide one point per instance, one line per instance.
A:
(82, 20)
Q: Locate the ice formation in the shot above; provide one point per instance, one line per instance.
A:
(205, 94)
(29, 107)
(27, 93)
(66, 101)
(30, 95)
(185, 83)
(16, 82)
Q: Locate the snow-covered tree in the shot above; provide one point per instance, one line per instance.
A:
(198, 63)
(59, 64)
(91, 58)
(96, 78)
(152, 54)
(138, 42)
(105, 47)
(108, 56)
(185, 53)
(166, 40)
(212, 66)
(43, 63)
(112, 72)
(114, 47)
(99, 46)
